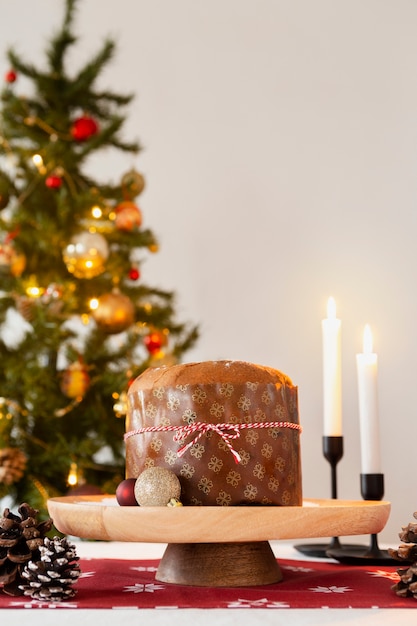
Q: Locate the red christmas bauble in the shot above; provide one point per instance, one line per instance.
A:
(10, 76)
(125, 492)
(83, 128)
(134, 273)
(154, 341)
(53, 181)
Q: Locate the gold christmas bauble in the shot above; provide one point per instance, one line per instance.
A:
(115, 312)
(75, 380)
(157, 486)
(133, 183)
(86, 254)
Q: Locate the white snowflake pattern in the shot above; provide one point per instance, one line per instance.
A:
(331, 589)
(296, 568)
(381, 573)
(143, 588)
(140, 568)
(35, 604)
(263, 603)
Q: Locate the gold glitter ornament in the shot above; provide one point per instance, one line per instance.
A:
(133, 184)
(75, 380)
(157, 486)
(115, 312)
(85, 255)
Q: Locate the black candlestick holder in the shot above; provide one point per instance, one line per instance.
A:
(372, 488)
(332, 452)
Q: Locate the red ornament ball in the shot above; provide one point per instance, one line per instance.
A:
(154, 341)
(125, 492)
(134, 273)
(10, 76)
(83, 128)
(53, 181)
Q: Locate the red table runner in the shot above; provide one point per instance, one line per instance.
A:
(124, 584)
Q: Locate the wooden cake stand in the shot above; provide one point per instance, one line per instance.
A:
(216, 546)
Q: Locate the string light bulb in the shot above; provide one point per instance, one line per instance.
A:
(38, 162)
(96, 212)
(72, 478)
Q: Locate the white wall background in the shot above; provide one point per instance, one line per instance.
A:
(280, 152)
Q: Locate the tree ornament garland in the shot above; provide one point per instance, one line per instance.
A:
(51, 577)
(83, 128)
(115, 312)
(21, 536)
(86, 254)
(407, 552)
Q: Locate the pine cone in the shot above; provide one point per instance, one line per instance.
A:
(407, 585)
(20, 539)
(12, 465)
(51, 578)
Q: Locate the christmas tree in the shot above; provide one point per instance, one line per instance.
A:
(77, 321)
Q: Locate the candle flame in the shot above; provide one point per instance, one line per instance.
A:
(367, 340)
(331, 308)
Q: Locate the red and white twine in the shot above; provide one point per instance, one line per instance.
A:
(226, 431)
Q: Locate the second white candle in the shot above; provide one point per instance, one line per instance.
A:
(367, 372)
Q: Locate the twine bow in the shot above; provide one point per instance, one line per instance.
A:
(225, 431)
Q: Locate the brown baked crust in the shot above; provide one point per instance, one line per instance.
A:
(218, 392)
(209, 372)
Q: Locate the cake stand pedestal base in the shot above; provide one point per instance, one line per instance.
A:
(219, 564)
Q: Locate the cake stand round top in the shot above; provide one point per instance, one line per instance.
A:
(100, 517)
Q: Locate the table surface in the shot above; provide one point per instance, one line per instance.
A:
(222, 617)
